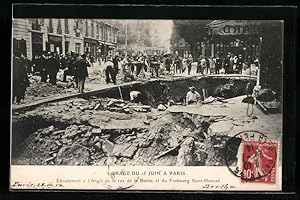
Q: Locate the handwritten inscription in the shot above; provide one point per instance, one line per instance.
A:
(116, 179)
(42, 185)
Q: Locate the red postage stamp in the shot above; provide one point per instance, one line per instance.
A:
(259, 161)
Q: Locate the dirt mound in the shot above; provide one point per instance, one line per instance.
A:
(97, 76)
(48, 89)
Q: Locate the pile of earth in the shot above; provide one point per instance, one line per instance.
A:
(40, 89)
(97, 76)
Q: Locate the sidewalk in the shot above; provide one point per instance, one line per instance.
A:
(96, 88)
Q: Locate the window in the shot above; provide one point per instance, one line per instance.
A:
(105, 33)
(59, 29)
(92, 34)
(36, 25)
(77, 48)
(86, 29)
(50, 27)
(97, 31)
(102, 33)
(109, 34)
(67, 47)
(66, 26)
(77, 31)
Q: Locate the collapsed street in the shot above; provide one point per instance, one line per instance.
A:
(137, 92)
(103, 129)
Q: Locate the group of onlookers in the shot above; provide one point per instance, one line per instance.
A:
(230, 64)
(47, 65)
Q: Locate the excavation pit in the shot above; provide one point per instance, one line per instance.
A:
(85, 131)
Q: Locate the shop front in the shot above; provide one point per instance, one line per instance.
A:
(91, 47)
(19, 46)
(111, 48)
(54, 44)
(238, 37)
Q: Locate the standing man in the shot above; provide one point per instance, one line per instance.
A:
(65, 66)
(199, 65)
(139, 64)
(184, 63)
(116, 64)
(218, 64)
(92, 60)
(168, 63)
(53, 68)
(203, 63)
(189, 63)
(20, 79)
(43, 67)
(81, 71)
(226, 64)
(178, 65)
(240, 64)
(212, 65)
(231, 62)
(154, 64)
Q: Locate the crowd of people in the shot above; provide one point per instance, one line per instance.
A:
(230, 64)
(173, 64)
(133, 67)
(47, 66)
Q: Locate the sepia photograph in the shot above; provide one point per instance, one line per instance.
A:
(197, 93)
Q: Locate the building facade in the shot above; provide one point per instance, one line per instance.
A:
(90, 36)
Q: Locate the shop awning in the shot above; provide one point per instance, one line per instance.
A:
(110, 44)
(234, 27)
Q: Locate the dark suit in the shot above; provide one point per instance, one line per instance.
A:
(81, 72)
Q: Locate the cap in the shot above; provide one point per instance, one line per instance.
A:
(192, 88)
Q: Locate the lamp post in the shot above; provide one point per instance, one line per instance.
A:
(259, 53)
(126, 36)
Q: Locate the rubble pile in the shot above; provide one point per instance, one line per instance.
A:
(97, 76)
(226, 91)
(37, 90)
(158, 139)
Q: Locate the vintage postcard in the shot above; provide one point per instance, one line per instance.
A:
(140, 104)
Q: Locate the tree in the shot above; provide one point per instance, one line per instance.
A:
(193, 31)
(271, 56)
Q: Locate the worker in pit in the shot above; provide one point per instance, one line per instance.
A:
(135, 96)
(192, 96)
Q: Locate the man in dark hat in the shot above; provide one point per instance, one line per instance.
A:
(81, 71)
(240, 63)
(154, 65)
(53, 68)
(116, 64)
(226, 64)
(43, 61)
(168, 63)
(20, 78)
